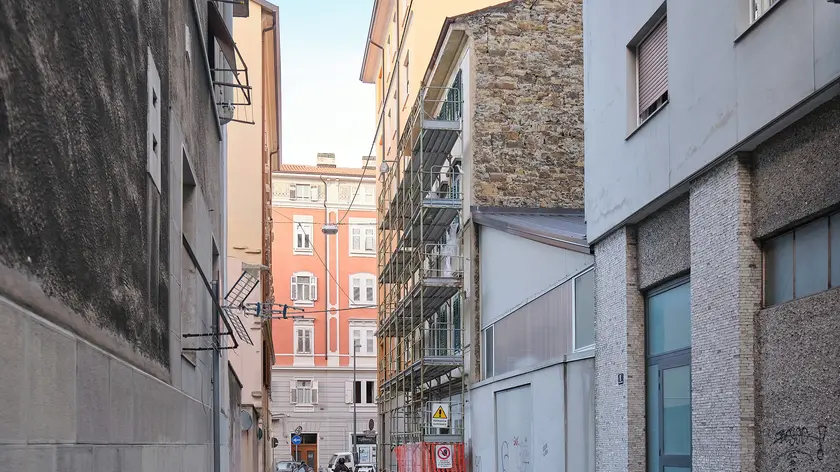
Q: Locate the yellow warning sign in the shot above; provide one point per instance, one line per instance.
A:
(440, 414)
(440, 417)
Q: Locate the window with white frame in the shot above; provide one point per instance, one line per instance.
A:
(303, 392)
(304, 192)
(584, 311)
(405, 73)
(302, 234)
(304, 288)
(368, 194)
(303, 339)
(759, 8)
(363, 337)
(652, 71)
(360, 392)
(362, 236)
(363, 289)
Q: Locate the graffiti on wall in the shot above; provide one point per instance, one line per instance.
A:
(799, 449)
(516, 455)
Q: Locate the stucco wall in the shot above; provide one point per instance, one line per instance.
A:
(528, 115)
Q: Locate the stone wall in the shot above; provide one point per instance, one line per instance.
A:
(528, 117)
(664, 248)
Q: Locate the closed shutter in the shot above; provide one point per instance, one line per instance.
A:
(652, 60)
(292, 392)
(314, 393)
(294, 289)
(348, 391)
(314, 288)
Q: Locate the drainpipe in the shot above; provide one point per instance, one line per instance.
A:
(326, 275)
(217, 375)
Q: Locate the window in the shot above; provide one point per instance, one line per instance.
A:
(668, 386)
(362, 236)
(303, 192)
(405, 73)
(304, 288)
(360, 392)
(363, 336)
(302, 228)
(368, 195)
(488, 352)
(363, 289)
(584, 309)
(802, 262)
(304, 392)
(760, 7)
(303, 340)
(652, 71)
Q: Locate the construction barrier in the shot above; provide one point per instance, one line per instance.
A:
(431, 457)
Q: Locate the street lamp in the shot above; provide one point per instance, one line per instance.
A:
(356, 346)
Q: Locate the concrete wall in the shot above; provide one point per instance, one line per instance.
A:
(95, 298)
(515, 270)
(552, 428)
(527, 120)
(720, 73)
(331, 418)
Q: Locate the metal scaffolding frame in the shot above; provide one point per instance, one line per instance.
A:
(421, 360)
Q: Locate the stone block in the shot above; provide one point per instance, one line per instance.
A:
(121, 403)
(92, 395)
(164, 459)
(51, 369)
(199, 422)
(197, 458)
(27, 458)
(130, 459)
(13, 393)
(74, 459)
(158, 412)
(106, 459)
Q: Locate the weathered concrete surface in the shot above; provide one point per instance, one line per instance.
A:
(73, 143)
(796, 172)
(664, 244)
(799, 384)
(528, 118)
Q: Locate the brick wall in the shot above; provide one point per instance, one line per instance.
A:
(528, 117)
(725, 297)
(619, 349)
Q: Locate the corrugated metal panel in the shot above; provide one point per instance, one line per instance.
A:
(653, 65)
(538, 332)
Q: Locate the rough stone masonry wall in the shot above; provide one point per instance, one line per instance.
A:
(725, 298)
(528, 121)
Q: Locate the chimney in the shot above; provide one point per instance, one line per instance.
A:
(369, 162)
(326, 159)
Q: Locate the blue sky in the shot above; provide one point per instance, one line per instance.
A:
(325, 106)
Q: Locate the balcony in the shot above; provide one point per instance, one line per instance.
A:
(425, 355)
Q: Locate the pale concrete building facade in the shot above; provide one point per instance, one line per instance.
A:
(711, 202)
(254, 146)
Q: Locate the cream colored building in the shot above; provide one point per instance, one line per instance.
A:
(254, 148)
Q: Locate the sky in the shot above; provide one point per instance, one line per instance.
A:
(326, 108)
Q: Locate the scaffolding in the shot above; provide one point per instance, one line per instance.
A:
(421, 361)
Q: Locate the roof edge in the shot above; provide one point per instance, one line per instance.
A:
(550, 239)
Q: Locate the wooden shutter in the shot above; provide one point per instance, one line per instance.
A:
(652, 57)
(313, 289)
(293, 296)
(314, 392)
(348, 391)
(292, 191)
(292, 392)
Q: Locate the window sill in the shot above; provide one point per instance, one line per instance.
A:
(758, 21)
(304, 408)
(362, 254)
(303, 252)
(362, 304)
(647, 120)
(363, 407)
(303, 304)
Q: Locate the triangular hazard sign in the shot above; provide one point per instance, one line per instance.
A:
(440, 414)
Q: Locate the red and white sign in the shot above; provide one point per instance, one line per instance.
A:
(443, 456)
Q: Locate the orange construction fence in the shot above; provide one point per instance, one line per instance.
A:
(431, 457)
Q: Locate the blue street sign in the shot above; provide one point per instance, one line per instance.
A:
(296, 440)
